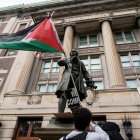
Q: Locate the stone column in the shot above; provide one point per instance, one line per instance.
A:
(112, 59)
(20, 73)
(68, 40)
(67, 46)
(9, 25)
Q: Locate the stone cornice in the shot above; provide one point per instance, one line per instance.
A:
(70, 8)
(98, 16)
(88, 8)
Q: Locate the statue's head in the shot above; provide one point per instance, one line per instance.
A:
(74, 53)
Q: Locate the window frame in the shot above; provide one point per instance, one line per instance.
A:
(88, 41)
(130, 55)
(30, 128)
(133, 79)
(89, 59)
(99, 81)
(39, 85)
(51, 61)
(124, 37)
(47, 86)
(19, 23)
(54, 89)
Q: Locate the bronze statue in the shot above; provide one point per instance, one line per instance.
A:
(73, 76)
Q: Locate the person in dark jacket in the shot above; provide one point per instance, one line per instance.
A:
(73, 75)
(113, 130)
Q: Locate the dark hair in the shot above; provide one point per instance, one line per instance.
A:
(82, 118)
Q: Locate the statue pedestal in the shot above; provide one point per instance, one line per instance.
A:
(60, 125)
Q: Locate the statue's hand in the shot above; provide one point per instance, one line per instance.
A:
(90, 84)
(70, 65)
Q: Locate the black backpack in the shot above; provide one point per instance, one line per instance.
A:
(113, 130)
(81, 136)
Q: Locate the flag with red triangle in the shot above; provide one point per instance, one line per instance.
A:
(40, 37)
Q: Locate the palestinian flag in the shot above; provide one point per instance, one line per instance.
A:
(40, 37)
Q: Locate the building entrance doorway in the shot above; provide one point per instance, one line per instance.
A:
(25, 129)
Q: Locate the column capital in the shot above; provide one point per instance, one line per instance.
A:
(72, 24)
(103, 20)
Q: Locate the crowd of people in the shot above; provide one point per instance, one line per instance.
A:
(85, 129)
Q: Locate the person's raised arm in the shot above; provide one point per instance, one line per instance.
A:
(99, 132)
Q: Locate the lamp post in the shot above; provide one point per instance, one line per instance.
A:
(128, 127)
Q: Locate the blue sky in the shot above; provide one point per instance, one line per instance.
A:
(5, 3)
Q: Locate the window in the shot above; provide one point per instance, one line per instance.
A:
(130, 59)
(86, 63)
(26, 127)
(124, 37)
(95, 63)
(119, 38)
(50, 67)
(55, 67)
(93, 40)
(41, 88)
(93, 66)
(22, 26)
(10, 52)
(88, 41)
(52, 87)
(92, 63)
(46, 67)
(83, 41)
(99, 84)
(135, 60)
(44, 87)
(125, 60)
(131, 83)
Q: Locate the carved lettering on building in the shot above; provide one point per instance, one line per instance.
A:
(87, 17)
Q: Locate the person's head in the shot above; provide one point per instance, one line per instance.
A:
(82, 118)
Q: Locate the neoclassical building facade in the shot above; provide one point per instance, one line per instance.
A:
(106, 35)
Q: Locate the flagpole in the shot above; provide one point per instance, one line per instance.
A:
(50, 16)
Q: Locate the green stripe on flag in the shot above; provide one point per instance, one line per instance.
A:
(32, 45)
(42, 46)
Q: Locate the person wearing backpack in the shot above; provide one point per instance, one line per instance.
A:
(85, 129)
(113, 130)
